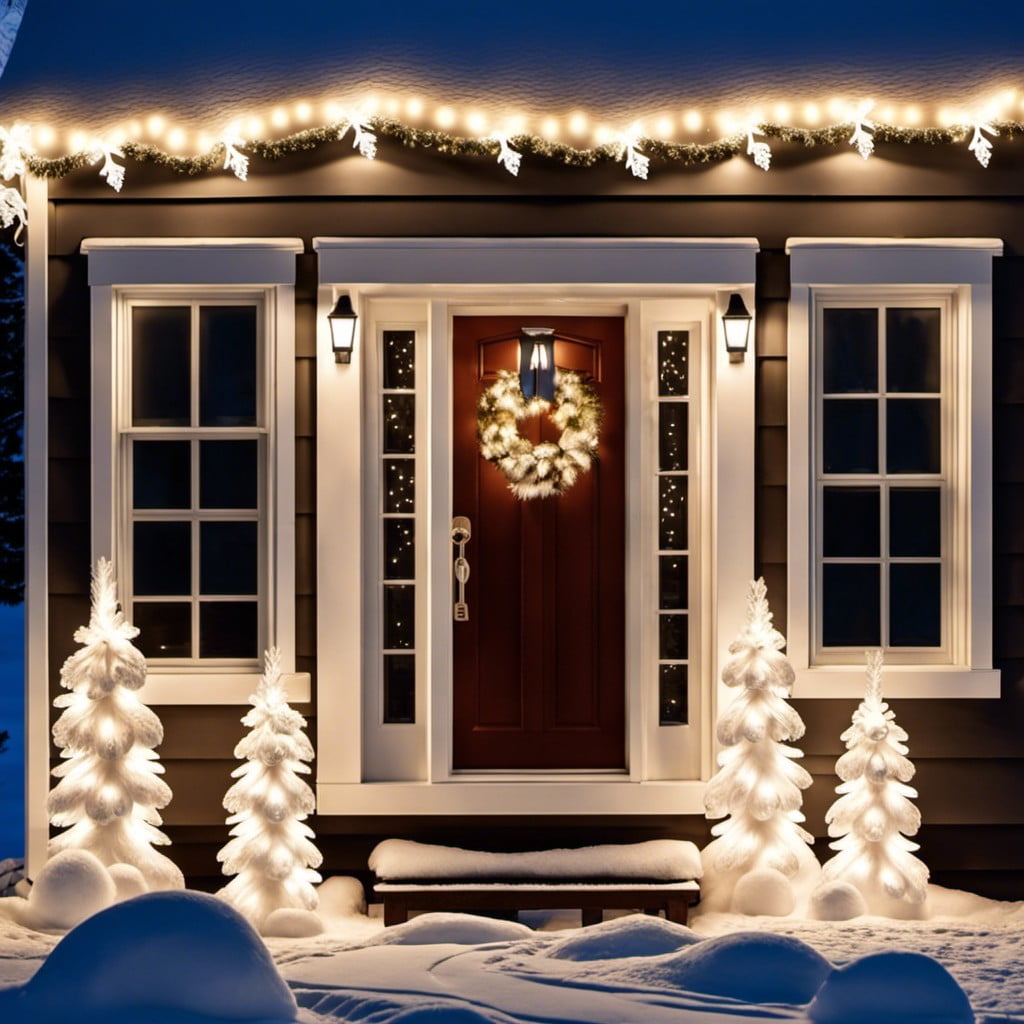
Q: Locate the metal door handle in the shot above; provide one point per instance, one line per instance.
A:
(461, 532)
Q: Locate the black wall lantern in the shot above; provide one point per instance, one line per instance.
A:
(343, 329)
(537, 362)
(736, 323)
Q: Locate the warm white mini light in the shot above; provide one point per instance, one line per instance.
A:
(812, 114)
(445, 117)
(175, 139)
(912, 116)
(414, 106)
(155, 126)
(303, 112)
(476, 122)
(550, 128)
(782, 113)
(279, 117)
(578, 124)
(44, 136)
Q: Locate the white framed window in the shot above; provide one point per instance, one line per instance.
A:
(890, 465)
(193, 455)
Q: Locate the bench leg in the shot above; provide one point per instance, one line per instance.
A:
(591, 915)
(396, 911)
(676, 909)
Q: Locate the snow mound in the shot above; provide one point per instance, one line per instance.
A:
(291, 923)
(445, 1013)
(891, 988)
(341, 896)
(764, 892)
(756, 967)
(160, 956)
(128, 880)
(460, 929)
(637, 935)
(836, 901)
(70, 887)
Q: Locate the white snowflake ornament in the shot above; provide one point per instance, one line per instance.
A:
(636, 162)
(14, 148)
(235, 160)
(112, 173)
(13, 211)
(862, 138)
(363, 137)
(507, 156)
(760, 151)
(979, 145)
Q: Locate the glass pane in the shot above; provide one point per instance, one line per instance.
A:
(673, 640)
(400, 423)
(399, 549)
(165, 628)
(399, 485)
(912, 350)
(399, 359)
(161, 366)
(228, 558)
(227, 366)
(851, 606)
(160, 474)
(915, 522)
(851, 436)
(673, 434)
(915, 605)
(850, 522)
(228, 629)
(673, 362)
(228, 474)
(162, 558)
(399, 617)
(850, 351)
(672, 506)
(672, 582)
(399, 688)
(913, 436)
(672, 694)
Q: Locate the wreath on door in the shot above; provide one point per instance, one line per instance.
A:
(548, 469)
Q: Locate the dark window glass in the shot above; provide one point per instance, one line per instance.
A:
(227, 366)
(162, 558)
(672, 582)
(160, 474)
(228, 629)
(399, 359)
(850, 356)
(161, 368)
(850, 522)
(399, 485)
(228, 558)
(913, 436)
(915, 605)
(673, 434)
(672, 505)
(165, 628)
(399, 549)
(399, 688)
(399, 617)
(851, 436)
(912, 350)
(228, 474)
(673, 640)
(851, 607)
(673, 362)
(400, 424)
(672, 696)
(915, 522)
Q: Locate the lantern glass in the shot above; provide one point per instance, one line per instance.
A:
(343, 320)
(736, 324)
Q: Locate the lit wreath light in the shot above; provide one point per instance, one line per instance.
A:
(547, 469)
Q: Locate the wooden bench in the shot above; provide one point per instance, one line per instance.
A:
(675, 898)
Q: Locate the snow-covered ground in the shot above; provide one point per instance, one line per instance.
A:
(454, 968)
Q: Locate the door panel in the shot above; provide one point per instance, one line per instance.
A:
(539, 666)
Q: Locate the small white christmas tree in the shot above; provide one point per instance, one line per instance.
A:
(873, 814)
(271, 853)
(109, 790)
(758, 784)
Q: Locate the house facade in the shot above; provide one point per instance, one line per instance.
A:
(188, 418)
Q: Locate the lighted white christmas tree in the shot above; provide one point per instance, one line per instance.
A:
(271, 853)
(109, 790)
(874, 814)
(758, 785)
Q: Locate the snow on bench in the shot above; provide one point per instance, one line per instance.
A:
(660, 874)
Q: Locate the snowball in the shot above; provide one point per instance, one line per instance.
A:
(763, 892)
(836, 901)
(291, 923)
(341, 896)
(891, 988)
(128, 880)
(462, 929)
(176, 952)
(637, 935)
(70, 887)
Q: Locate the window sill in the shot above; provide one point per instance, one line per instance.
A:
(898, 681)
(179, 687)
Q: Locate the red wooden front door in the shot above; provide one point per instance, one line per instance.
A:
(539, 666)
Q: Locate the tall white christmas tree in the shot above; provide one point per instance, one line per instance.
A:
(759, 783)
(874, 815)
(271, 853)
(109, 790)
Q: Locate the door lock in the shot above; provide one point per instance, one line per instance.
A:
(461, 532)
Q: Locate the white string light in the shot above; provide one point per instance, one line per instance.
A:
(980, 146)
(862, 129)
